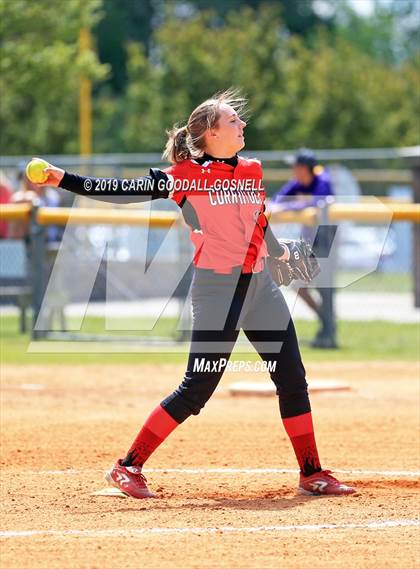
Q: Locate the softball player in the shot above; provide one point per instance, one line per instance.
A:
(223, 204)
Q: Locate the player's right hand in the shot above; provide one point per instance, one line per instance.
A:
(55, 175)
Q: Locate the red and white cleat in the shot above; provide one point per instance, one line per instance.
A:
(129, 480)
(322, 483)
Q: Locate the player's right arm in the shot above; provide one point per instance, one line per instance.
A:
(153, 186)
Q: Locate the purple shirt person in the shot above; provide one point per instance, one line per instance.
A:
(310, 185)
(310, 188)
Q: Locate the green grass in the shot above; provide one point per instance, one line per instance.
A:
(375, 282)
(14, 345)
(364, 340)
(359, 341)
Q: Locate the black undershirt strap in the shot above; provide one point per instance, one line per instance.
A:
(232, 161)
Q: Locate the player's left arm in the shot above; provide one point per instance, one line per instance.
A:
(274, 248)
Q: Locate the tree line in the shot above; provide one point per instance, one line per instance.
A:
(320, 79)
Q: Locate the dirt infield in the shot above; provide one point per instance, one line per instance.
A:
(227, 497)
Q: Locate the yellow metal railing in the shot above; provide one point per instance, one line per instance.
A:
(364, 211)
(375, 212)
(15, 211)
(87, 216)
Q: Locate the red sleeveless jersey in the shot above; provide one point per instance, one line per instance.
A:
(226, 204)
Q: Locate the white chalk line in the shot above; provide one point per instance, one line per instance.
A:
(391, 473)
(134, 532)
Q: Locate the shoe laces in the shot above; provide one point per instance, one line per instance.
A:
(137, 471)
(328, 474)
(142, 477)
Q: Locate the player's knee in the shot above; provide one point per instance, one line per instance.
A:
(177, 407)
(289, 381)
(187, 400)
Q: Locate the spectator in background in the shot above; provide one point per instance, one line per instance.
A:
(311, 187)
(42, 196)
(5, 197)
(28, 192)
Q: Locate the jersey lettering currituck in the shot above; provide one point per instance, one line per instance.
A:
(229, 225)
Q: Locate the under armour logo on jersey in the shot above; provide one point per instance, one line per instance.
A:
(204, 170)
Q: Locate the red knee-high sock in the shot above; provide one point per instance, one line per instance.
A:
(301, 432)
(157, 427)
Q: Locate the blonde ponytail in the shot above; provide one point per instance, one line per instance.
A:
(177, 148)
(188, 141)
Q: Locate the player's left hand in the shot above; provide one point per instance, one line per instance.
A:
(303, 264)
(280, 271)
